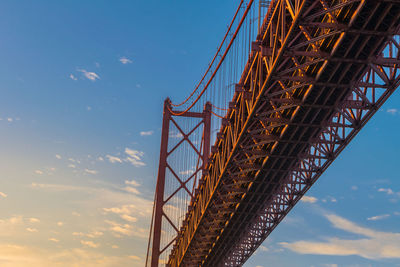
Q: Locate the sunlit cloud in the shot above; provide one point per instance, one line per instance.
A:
(146, 133)
(125, 60)
(378, 217)
(3, 195)
(58, 156)
(374, 245)
(32, 230)
(72, 77)
(55, 240)
(90, 244)
(113, 159)
(89, 75)
(308, 199)
(39, 172)
(133, 257)
(60, 224)
(134, 157)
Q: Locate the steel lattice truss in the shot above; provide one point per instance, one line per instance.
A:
(318, 72)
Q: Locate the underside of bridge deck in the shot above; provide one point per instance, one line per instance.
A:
(317, 73)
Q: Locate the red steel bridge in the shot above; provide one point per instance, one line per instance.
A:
(291, 84)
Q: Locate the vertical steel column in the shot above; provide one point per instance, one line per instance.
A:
(207, 133)
(155, 255)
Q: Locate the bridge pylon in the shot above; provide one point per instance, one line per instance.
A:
(177, 135)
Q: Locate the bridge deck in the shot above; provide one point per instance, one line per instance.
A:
(314, 79)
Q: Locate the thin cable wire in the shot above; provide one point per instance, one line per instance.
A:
(219, 64)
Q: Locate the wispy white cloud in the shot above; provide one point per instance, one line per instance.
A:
(3, 195)
(72, 77)
(132, 183)
(393, 111)
(58, 156)
(176, 135)
(31, 230)
(90, 75)
(113, 159)
(378, 217)
(91, 171)
(308, 199)
(388, 191)
(53, 239)
(374, 245)
(39, 172)
(146, 133)
(134, 157)
(125, 60)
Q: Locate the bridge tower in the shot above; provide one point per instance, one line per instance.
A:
(177, 135)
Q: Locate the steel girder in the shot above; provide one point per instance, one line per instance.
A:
(318, 71)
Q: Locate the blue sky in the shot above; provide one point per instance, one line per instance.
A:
(82, 86)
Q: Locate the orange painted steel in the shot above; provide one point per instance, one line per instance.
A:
(318, 71)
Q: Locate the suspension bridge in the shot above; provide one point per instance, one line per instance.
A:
(291, 84)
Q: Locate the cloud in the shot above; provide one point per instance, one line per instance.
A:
(134, 157)
(90, 244)
(128, 218)
(91, 171)
(60, 223)
(93, 234)
(133, 257)
(39, 172)
(113, 159)
(379, 217)
(386, 190)
(3, 195)
(373, 245)
(119, 229)
(55, 240)
(132, 182)
(90, 75)
(187, 172)
(125, 60)
(146, 133)
(12, 255)
(126, 212)
(308, 199)
(131, 190)
(32, 230)
(175, 135)
(392, 111)
(58, 156)
(354, 188)
(73, 77)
